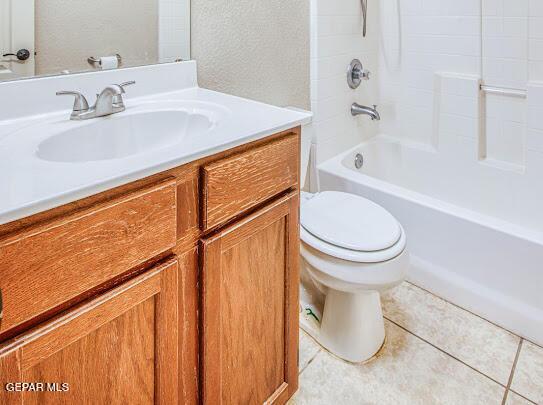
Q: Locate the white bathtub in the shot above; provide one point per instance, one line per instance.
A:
(474, 233)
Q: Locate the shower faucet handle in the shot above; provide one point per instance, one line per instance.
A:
(356, 73)
(362, 74)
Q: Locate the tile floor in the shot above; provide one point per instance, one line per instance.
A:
(436, 353)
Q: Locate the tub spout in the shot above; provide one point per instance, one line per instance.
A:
(357, 109)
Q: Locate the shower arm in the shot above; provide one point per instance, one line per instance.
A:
(364, 16)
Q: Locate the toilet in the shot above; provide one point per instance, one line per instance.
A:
(352, 249)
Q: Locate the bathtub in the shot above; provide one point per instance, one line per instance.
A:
(474, 230)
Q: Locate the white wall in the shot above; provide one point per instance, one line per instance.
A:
(336, 39)
(432, 57)
(428, 59)
(505, 54)
(257, 49)
(513, 57)
(141, 31)
(16, 32)
(66, 35)
(420, 39)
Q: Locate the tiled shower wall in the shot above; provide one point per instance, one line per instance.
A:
(493, 42)
(420, 39)
(506, 59)
(336, 39)
(428, 58)
(174, 30)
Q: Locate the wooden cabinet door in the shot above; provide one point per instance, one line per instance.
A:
(119, 348)
(250, 277)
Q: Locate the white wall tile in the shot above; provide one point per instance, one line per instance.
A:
(456, 114)
(336, 36)
(534, 141)
(410, 42)
(436, 36)
(174, 38)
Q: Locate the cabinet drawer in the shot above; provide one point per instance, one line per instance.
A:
(50, 264)
(238, 183)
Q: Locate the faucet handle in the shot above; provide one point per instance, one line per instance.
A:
(118, 99)
(125, 84)
(80, 102)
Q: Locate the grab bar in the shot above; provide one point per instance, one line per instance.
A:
(504, 91)
(364, 16)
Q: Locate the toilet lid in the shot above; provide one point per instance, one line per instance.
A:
(350, 221)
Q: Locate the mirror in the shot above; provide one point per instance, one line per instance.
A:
(51, 37)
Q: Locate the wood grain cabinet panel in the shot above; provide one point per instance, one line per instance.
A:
(214, 322)
(49, 264)
(249, 338)
(119, 348)
(240, 182)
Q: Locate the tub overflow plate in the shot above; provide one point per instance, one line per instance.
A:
(359, 161)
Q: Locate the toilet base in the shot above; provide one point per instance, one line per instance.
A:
(352, 325)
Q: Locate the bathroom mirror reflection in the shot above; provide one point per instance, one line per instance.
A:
(51, 37)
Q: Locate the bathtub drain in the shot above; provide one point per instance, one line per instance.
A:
(359, 161)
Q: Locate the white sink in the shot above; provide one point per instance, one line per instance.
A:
(122, 135)
(47, 160)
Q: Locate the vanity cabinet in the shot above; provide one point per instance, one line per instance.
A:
(233, 185)
(181, 287)
(118, 348)
(250, 308)
(51, 263)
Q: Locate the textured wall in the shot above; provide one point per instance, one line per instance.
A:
(257, 49)
(141, 31)
(68, 32)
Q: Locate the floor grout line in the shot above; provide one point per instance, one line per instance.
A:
(523, 397)
(463, 309)
(512, 374)
(533, 343)
(507, 386)
(309, 362)
(444, 352)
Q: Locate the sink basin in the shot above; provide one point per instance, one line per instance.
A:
(123, 135)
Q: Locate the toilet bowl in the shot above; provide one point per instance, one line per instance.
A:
(352, 249)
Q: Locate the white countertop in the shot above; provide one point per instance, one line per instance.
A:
(29, 185)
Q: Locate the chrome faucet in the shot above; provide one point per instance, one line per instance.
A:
(357, 109)
(109, 101)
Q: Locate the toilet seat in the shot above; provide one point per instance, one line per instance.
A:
(350, 227)
(353, 255)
